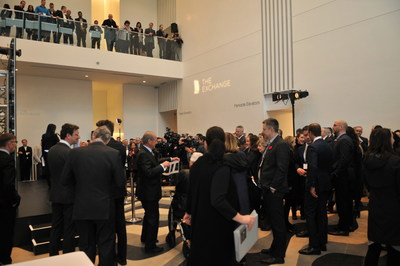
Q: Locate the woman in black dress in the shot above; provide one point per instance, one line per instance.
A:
(137, 38)
(212, 207)
(382, 179)
(49, 139)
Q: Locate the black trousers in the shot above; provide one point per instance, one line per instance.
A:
(25, 169)
(273, 204)
(19, 33)
(317, 219)
(150, 223)
(68, 38)
(120, 228)
(344, 203)
(7, 224)
(374, 251)
(62, 226)
(96, 41)
(100, 233)
(81, 37)
(290, 202)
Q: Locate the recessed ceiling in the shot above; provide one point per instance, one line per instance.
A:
(51, 71)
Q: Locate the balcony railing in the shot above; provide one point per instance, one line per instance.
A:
(35, 27)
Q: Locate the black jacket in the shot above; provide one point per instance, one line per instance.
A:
(8, 195)
(95, 172)
(343, 156)
(212, 202)
(25, 156)
(57, 157)
(275, 166)
(319, 163)
(148, 175)
(382, 178)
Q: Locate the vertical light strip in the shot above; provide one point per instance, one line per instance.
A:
(277, 45)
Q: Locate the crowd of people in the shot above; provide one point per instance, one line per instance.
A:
(231, 174)
(123, 39)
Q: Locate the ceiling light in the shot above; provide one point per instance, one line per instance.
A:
(144, 81)
(86, 76)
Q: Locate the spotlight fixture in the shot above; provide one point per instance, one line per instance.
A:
(144, 81)
(276, 97)
(118, 120)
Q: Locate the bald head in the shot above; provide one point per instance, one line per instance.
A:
(339, 127)
(149, 139)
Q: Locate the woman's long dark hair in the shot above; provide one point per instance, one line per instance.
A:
(215, 138)
(253, 142)
(380, 142)
(51, 129)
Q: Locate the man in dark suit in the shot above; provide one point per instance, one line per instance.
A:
(80, 26)
(149, 170)
(19, 15)
(25, 160)
(273, 181)
(162, 45)
(343, 177)
(149, 40)
(363, 141)
(317, 188)
(97, 176)
(9, 198)
(61, 197)
(301, 153)
(119, 201)
(68, 23)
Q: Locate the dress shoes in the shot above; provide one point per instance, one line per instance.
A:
(310, 251)
(323, 247)
(302, 234)
(272, 260)
(155, 249)
(339, 233)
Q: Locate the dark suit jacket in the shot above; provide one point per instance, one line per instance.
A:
(319, 162)
(149, 39)
(69, 24)
(364, 144)
(78, 25)
(342, 156)
(8, 194)
(25, 156)
(148, 175)
(275, 166)
(57, 157)
(96, 173)
(122, 155)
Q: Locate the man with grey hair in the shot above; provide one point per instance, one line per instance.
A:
(149, 173)
(97, 176)
(343, 177)
(326, 135)
(363, 141)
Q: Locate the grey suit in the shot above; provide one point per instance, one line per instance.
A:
(61, 198)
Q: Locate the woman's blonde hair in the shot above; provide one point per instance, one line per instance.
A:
(231, 143)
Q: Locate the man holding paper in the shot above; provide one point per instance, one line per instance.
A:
(149, 171)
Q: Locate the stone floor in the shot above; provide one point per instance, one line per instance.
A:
(341, 250)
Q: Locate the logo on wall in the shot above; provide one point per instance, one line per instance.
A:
(207, 85)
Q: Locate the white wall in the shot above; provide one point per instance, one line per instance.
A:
(140, 110)
(144, 11)
(346, 54)
(222, 44)
(41, 101)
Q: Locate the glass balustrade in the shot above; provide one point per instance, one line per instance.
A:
(35, 27)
